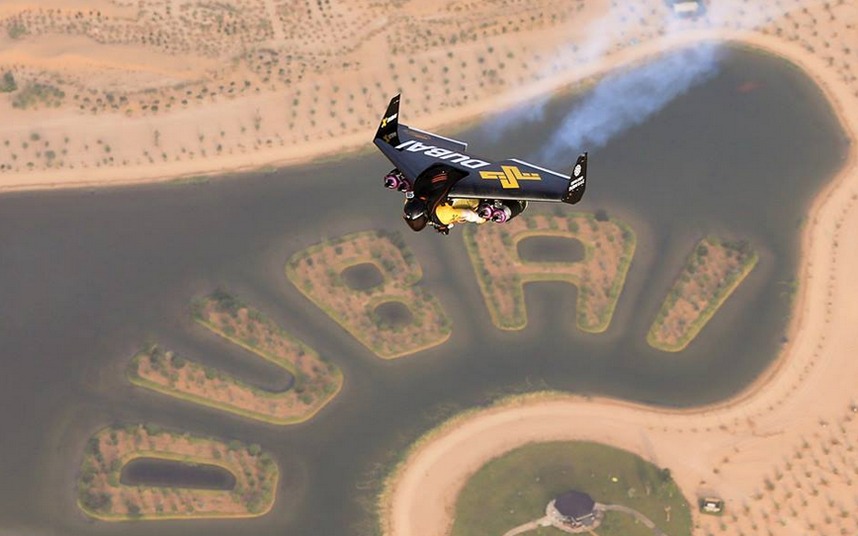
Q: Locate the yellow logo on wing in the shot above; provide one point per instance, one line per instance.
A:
(387, 120)
(509, 176)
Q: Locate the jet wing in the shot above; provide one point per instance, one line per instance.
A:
(413, 150)
(517, 179)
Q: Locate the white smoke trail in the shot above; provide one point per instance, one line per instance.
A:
(597, 39)
(622, 101)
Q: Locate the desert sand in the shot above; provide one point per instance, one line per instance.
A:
(116, 92)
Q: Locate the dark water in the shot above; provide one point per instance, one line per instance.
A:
(167, 473)
(550, 249)
(86, 277)
(393, 314)
(362, 276)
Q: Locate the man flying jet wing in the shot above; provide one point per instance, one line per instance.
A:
(445, 185)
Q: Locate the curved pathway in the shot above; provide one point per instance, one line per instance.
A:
(529, 526)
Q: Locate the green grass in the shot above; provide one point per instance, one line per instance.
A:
(515, 488)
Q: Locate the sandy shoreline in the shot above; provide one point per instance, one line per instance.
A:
(196, 101)
(277, 124)
(343, 146)
(735, 448)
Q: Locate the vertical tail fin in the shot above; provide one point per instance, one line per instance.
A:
(388, 129)
(577, 181)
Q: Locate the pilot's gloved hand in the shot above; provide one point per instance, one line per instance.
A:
(443, 229)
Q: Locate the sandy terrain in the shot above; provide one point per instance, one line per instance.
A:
(170, 88)
(782, 453)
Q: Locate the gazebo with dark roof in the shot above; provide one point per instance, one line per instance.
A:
(574, 508)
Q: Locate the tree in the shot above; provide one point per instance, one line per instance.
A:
(96, 502)
(8, 83)
(16, 30)
(152, 429)
(133, 508)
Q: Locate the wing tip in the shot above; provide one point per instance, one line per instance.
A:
(389, 125)
(577, 180)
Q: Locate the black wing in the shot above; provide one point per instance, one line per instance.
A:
(413, 151)
(517, 179)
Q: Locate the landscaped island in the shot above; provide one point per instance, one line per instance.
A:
(609, 246)
(391, 316)
(713, 270)
(102, 496)
(315, 381)
(515, 489)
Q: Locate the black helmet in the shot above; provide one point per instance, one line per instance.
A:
(415, 214)
(414, 209)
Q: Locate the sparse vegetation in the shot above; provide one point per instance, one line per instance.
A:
(102, 496)
(315, 382)
(286, 51)
(317, 272)
(34, 95)
(711, 273)
(609, 248)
